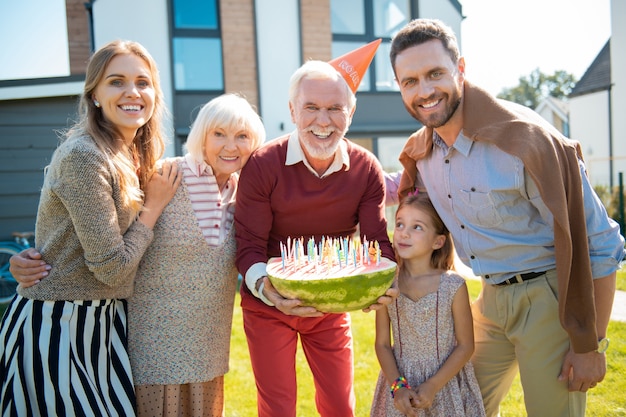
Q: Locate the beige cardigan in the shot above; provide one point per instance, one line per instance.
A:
(93, 242)
(181, 312)
(521, 132)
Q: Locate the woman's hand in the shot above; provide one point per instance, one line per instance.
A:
(159, 191)
(28, 268)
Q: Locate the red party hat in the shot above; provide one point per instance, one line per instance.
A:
(352, 66)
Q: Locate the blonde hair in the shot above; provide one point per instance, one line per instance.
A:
(442, 258)
(230, 111)
(148, 144)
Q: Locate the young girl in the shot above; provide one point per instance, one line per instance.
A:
(428, 366)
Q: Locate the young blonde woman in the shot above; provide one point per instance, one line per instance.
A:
(63, 347)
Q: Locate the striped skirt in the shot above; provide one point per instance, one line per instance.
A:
(65, 358)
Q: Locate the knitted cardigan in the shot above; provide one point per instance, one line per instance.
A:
(180, 314)
(552, 162)
(93, 242)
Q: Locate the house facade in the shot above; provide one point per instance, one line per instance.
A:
(598, 104)
(556, 112)
(204, 48)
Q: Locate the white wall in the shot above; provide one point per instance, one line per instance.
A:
(588, 115)
(146, 22)
(618, 78)
(278, 45)
(41, 90)
(547, 113)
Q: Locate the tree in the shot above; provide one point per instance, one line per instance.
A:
(536, 86)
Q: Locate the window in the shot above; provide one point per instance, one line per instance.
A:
(197, 46)
(355, 23)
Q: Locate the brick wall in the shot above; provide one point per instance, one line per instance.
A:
(78, 35)
(316, 31)
(238, 41)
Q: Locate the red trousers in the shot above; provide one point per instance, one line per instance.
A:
(272, 342)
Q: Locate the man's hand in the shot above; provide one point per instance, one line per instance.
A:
(290, 307)
(583, 371)
(28, 268)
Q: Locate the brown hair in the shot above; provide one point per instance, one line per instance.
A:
(419, 31)
(148, 144)
(442, 258)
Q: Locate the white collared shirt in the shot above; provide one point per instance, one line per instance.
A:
(295, 154)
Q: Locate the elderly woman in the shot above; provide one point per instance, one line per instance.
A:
(180, 315)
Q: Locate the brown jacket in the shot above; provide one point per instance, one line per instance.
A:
(521, 132)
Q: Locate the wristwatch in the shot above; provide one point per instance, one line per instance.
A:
(603, 345)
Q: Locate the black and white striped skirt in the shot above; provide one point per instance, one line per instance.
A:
(65, 358)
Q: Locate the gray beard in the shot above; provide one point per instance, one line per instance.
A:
(320, 152)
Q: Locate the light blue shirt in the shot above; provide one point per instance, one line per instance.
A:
(498, 221)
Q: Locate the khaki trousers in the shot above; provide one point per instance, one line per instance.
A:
(517, 327)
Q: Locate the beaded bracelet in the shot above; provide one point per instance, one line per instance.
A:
(400, 382)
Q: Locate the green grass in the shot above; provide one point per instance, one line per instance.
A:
(606, 400)
(621, 279)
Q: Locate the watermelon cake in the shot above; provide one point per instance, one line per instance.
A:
(338, 275)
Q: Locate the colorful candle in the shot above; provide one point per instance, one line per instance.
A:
(377, 252)
(282, 254)
(338, 257)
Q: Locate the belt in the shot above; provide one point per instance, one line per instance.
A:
(516, 279)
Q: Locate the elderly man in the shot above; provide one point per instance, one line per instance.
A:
(310, 183)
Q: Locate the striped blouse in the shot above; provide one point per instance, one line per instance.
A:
(214, 208)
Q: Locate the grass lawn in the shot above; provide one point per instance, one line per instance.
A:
(607, 399)
(621, 279)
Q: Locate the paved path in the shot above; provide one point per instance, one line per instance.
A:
(619, 306)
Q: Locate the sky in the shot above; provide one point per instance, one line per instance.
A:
(503, 40)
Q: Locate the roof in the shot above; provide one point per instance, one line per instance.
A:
(560, 107)
(598, 75)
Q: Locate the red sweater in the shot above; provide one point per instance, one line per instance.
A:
(275, 201)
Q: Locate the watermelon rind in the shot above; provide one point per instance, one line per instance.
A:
(338, 295)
